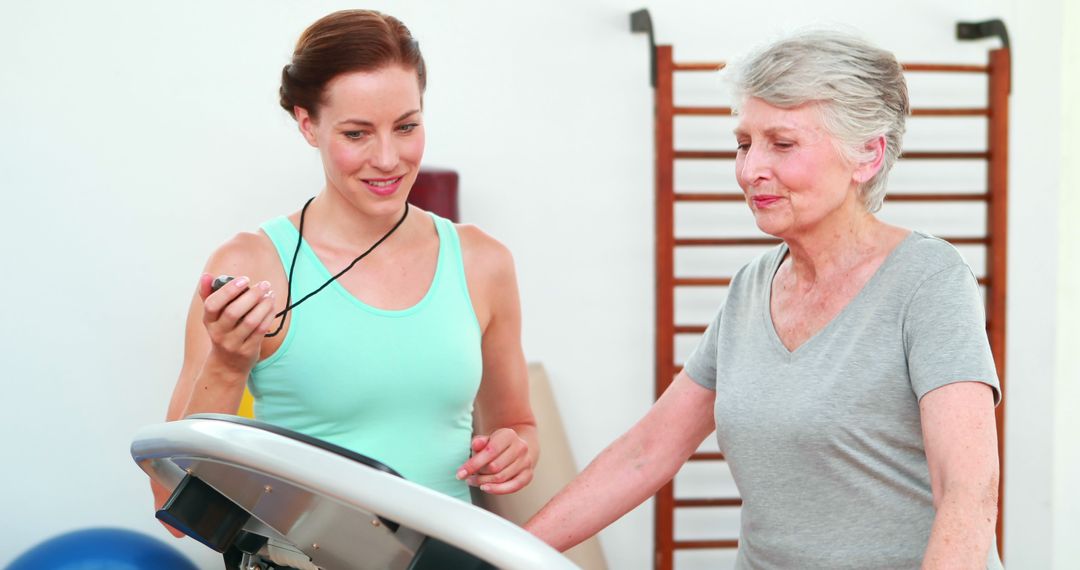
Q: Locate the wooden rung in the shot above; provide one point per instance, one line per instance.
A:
(714, 242)
(983, 280)
(922, 67)
(705, 544)
(940, 197)
(945, 67)
(950, 112)
(698, 66)
(943, 155)
(709, 197)
(922, 112)
(983, 240)
(908, 197)
(707, 111)
(706, 154)
(702, 281)
(700, 329)
(725, 502)
(699, 242)
(707, 456)
(913, 155)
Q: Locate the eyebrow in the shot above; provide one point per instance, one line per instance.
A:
(771, 131)
(365, 122)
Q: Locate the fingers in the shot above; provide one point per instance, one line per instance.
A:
(267, 324)
(237, 317)
(219, 301)
(500, 463)
(254, 323)
(205, 282)
(512, 486)
(505, 468)
(484, 450)
(237, 309)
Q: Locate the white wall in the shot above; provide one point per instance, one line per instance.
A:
(1066, 502)
(141, 134)
(1033, 181)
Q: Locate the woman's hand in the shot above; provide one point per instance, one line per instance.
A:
(236, 317)
(500, 464)
(223, 335)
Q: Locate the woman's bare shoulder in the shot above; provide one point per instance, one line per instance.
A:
(483, 253)
(246, 253)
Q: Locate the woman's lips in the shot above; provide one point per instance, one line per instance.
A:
(383, 186)
(765, 200)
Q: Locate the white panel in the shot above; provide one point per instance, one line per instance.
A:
(705, 479)
(705, 559)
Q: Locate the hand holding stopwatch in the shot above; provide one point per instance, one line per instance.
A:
(220, 282)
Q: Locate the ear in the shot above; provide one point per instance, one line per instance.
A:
(307, 125)
(864, 171)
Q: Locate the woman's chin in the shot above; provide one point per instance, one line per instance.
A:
(372, 205)
(770, 225)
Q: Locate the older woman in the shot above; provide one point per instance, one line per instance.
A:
(848, 374)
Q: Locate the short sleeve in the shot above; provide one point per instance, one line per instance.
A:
(945, 333)
(701, 365)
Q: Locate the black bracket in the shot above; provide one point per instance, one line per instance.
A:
(203, 513)
(641, 21)
(982, 30)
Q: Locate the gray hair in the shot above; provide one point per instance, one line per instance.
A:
(860, 89)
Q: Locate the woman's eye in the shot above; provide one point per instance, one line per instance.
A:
(407, 127)
(354, 135)
(783, 145)
(743, 147)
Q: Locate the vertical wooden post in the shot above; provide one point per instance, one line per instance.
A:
(997, 229)
(664, 527)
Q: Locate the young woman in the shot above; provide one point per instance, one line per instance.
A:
(389, 354)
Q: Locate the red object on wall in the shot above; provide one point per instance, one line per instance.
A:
(436, 190)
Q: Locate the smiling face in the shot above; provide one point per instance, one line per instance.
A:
(370, 135)
(794, 177)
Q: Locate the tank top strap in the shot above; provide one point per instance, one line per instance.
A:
(283, 235)
(450, 258)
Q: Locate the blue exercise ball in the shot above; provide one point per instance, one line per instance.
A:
(102, 549)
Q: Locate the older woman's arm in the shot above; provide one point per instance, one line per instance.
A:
(631, 469)
(960, 437)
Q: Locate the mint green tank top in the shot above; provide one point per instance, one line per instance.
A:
(396, 386)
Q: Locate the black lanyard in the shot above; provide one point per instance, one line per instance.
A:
(292, 266)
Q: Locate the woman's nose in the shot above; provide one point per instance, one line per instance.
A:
(753, 166)
(385, 155)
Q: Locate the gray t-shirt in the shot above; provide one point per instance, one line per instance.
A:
(825, 442)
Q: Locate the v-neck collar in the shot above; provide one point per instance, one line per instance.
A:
(766, 313)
